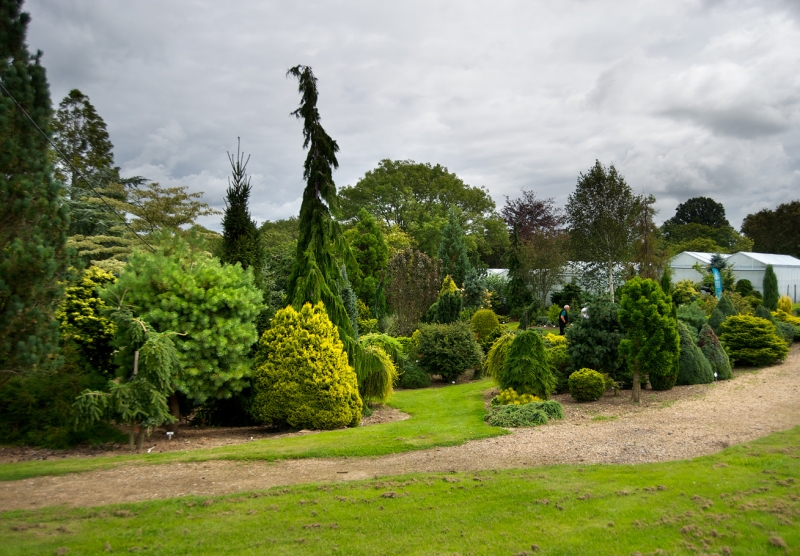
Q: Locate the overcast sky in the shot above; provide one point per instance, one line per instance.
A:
(685, 98)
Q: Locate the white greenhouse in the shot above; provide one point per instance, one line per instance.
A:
(752, 266)
(683, 265)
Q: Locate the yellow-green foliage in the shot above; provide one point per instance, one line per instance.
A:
(785, 304)
(82, 318)
(553, 340)
(586, 385)
(448, 286)
(483, 322)
(509, 396)
(552, 313)
(302, 376)
(377, 386)
(786, 317)
(752, 340)
(685, 292)
(497, 354)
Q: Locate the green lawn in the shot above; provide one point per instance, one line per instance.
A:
(745, 500)
(440, 417)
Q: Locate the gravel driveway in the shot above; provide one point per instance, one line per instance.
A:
(683, 423)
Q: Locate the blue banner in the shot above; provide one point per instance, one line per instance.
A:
(717, 282)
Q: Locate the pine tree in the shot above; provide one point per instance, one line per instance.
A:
(80, 134)
(770, 286)
(372, 255)
(33, 217)
(453, 250)
(241, 241)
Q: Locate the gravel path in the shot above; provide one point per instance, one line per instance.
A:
(684, 423)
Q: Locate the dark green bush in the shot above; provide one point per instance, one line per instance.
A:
(744, 287)
(487, 343)
(515, 416)
(594, 342)
(448, 307)
(693, 367)
(763, 313)
(412, 376)
(36, 409)
(725, 305)
(752, 341)
(787, 330)
(713, 351)
(559, 361)
(586, 385)
(447, 350)
(694, 317)
(715, 321)
(664, 381)
(525, 368)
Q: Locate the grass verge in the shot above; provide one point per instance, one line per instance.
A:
(439, 417)
(745, 500)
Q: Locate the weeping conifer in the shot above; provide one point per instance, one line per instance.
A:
(321, 246)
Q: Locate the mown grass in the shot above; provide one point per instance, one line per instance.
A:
(745, 500)
(439, 417)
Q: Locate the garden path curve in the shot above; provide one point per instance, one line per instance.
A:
(754, 404)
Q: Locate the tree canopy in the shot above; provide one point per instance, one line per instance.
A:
(700, 210)
(416, 197)
(602, 213)
(775, 230)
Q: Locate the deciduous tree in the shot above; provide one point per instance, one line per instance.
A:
(775, 230)
(602, 214)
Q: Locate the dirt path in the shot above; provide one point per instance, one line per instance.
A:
(703, 420)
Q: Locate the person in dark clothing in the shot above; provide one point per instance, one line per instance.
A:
(563, 319)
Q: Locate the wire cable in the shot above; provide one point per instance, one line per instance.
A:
(74, 169)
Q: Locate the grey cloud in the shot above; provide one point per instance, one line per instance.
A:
(508, 95)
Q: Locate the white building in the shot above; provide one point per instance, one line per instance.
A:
(752, 266)
(683, 265)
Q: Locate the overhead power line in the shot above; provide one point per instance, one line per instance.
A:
(74, 169)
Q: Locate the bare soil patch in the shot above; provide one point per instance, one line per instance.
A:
(685, 422)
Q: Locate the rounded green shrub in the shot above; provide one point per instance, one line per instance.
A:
(515, 416)
(413, 377)
(715, 321)
(484, 322)
(752, 341)
(559, 361)
(509, 396)
(552, 409)
(693, 316)
(586, 385)
(713, 351)
(552, 340)
(447, 350)
(525, 367)
(693, 367)
(725, 305)
(763, 313)
(302, 376)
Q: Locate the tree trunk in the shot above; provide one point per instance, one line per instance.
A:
(637, 386)
(611, 282)
(132, 437)
(175, 411)
(140, 438)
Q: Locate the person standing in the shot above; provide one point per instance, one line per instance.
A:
(563, 319)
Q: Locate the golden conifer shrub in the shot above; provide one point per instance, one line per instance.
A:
(302, 376)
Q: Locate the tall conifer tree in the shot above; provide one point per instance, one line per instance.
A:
(453, 249)
(770, 286)
(316, 272)
(33, 218)
(241, 241)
